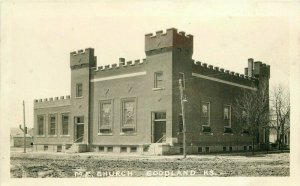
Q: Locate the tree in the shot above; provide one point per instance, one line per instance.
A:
(281, 107)
(251, 111)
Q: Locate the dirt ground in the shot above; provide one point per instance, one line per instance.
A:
(61, 165)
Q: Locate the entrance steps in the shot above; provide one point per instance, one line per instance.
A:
(156, 149)
(77, 148)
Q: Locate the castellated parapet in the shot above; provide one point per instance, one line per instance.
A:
(221, 73)
(83, 58)
(169, 40)
(119, 66)
(52, 102)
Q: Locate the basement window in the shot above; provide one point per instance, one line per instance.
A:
(245, 148)
(230, 149)
(123, 149)
(110, 149)
(224, 149)
(133, 149)
(250, 147)
(200, 150)
(206, 149)
(101, 149)
(59, 148)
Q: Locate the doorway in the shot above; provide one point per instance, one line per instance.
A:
(79, 129)
(159, 127)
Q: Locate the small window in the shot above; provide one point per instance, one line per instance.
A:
(123, 149)
(180, 150)
(206, 149)
(79, 90)
(230, 149)
(59, 148)
(224, 149)
(101, 149)
(250, 147)
(110, 149)
(200, 149)
(133, 149)
(245, 148)
(158, 80)
(45, 147)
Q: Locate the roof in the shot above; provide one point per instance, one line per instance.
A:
(16, 132)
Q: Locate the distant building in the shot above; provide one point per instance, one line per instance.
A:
(17, 137)
(274, 136)
(134, 106)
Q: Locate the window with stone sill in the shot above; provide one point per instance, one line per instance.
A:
(79, 90)
(65, 124)
(205, 117)
(128, 115)
(227, 116)
(158, 80)
(52, 125)
(105, 115)
(40, 125)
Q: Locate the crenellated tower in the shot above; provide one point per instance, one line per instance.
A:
(81, 63)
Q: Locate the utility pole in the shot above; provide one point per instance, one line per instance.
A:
(24, 129)
(183, 117)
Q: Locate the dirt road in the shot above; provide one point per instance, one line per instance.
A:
(34, 164)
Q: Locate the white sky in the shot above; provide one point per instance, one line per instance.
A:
(38, 37)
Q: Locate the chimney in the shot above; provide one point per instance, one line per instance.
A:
(250, 67)
(121, 61)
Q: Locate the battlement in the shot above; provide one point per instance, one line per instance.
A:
(83, 58)
(218, 72)
(52, 99)
(52, 102)
(121, 65)
(170, 39)
(257, 69)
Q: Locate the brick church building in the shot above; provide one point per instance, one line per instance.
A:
(135, 106)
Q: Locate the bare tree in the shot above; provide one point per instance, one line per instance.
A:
(281, 107)
(251, 111)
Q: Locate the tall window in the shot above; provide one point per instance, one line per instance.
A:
(52, 125)
(65, 124)
(128, 115)
(105, 117)
(40, 123)
(79, 90)
(158, 80)
(205, 113)
(227, 115)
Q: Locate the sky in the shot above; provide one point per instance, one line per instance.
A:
(38, 37)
